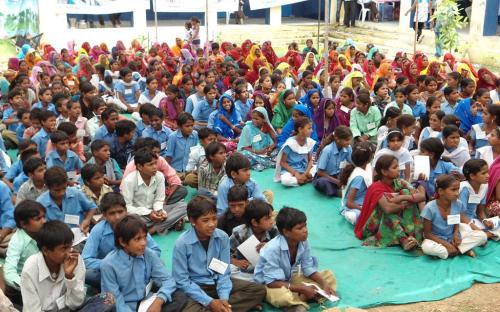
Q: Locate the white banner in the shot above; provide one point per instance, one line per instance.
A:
(264, 4)
(195, 5)
(99, 6)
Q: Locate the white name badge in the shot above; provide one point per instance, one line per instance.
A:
(474, 199)
(163, 145)
(71, 219)
(453, 219)
(344, 109)
(370, 126)
(128, 91)
(218, 266)
(343, 164)
(257, 138)
(71, 83)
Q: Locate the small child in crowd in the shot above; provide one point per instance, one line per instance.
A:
(237, 198)
(34, 168)
(101, 155)
(63, 157)
(211, 170)
(41, 138)
(157, 130)
(93, 184)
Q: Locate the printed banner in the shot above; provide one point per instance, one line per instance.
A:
(19, 18)
(98, 6)
(265, 4)
(195, 5)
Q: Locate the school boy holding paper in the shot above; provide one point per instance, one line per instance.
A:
(282, 255)
(201, 261)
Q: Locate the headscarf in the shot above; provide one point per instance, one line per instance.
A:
(244, 48)
(418, 58)
(281, 113)
(268, 51)
(306, 63)
(104, 48)
(406, 72)
(383, 71)
(234, 118)
(369, 72)
(465, 60)
(347, 62)
(251, 57)
(253, 75)
(95, 52)
(84, 71)
(464, 67)
(319, 119)
(223, 46)
(347, 82)
(306, 101)
(86, 47)
(293, 58)
(46, 51)
(32, 58)
(449, 57)
(268, 127)
(482, 83)
(186, 57)
(267, 103)
(24, 50)
(371, 52)
(34, 75)
(13, 63)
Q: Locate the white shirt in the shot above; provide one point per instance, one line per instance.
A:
(495, 97)
(43, 293)
(140, 198)
(196, 154)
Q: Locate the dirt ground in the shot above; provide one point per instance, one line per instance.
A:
(478, 298)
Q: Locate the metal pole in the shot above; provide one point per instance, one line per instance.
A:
(416, 30)
(319, 21)
(206, 22)
(156, 23)
(327, 28)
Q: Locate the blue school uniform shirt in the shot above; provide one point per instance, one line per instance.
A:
(359, 184)
(50, 107)
(14, 170)
(101, 242)
(332, 159)
(275, 263)
(18, 181)
(442, 167)
(6, 208)
(190, 105)
(447, 108)
(481, 142)
(440, 226)
(191, 262)
(128, 92)
(41, 138)
(470, 208)
(6, 115)
(178, 148)
(161, 136)
(122, 153)
(226, 183)
(211, 119)
(203, 111)
(20, 131)
(295, 160)
(418, 109)
(102, 133)
(139, 127)
(126, 278)
(243, 108)
(74, 203)
(72, 163)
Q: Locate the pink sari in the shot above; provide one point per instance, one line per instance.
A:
(493, 203)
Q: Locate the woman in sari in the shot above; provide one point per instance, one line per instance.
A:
(410, 71)
(85, 69)
(310, 60)
(434, 70)
(32, 58)
(86, 47)
(385, 71)
(389, 214)
(268, 51)
(254, 54)
(227, 122)
(245, 47)
(283, 110)
(370, 70)
(493, 194)
(253, 75)
(325, 119)
(293, 59)
(450, 62)
(486, 79)
(344, 63)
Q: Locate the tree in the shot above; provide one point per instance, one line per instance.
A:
(448, 21)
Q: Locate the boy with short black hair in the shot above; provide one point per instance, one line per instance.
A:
(23, 115)
(157, 130)
(101, 155)
(60, 100)
(275, 270)
(54, 278)
(452, 97)
(9, 117)
(201, 260)
(98, 106)
(34, 168)
(63, 157)
(144, 193)
(211, 170)
(67, 204)
(45, 97)
(123, 144)
(197, 152)
(93, 183)
(237, 199)
(106, 132)
(36, 123)
(41, 138)
(237, 172)
(30, 217)
(17, 167)
(144, 112)
(101, 240)
(179, 145)
(21, 178)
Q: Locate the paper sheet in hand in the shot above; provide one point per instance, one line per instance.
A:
(146, 303)
(422, 165)
(79, 236)
(249, 249)
(320, 291)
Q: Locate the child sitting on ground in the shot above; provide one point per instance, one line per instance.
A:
(7, 223)
(53, 279)
(207, 279)
(294, 164)
(157, 130)
(259, 221)
(365, 120)
(101, 155)
(452, 149)
(237, 199)
(98, 106)
(63, 157)
(101, 240)
(30, 217)
(41, 138)
(197, 152)
(66, 204)
(238, 172)
(36, 124)
(106, 132)
(45, 97)
(75, 144)
(275, 268)
(145, 111)
(144, 193)
(204, 107)
(93, 184)
(447, 229)
(332, 160)
(23, 115)
(123, 144)
(17, 167)
(128, 91)
(34, 168)
(211, 170)
(395, 139)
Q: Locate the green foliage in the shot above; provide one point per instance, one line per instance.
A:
(25, 23)
(448, 21)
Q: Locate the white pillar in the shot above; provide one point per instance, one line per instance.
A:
(477, 19)
(275, 16)
(212, 21)
(404, 21)
(52, 23)
(333, 11)
(139, 18)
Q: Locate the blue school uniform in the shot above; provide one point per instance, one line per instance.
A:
(426, 133)
(203, 110)
(126, 277)
(161, 136)
(295, 160)
(464, 113)
(50, 107)
(190, 104)
(191, 262)
(440, 226)
(102, 133)
(122, 152)
(6, 115)
(418, 109)
(447, 108)
(6, 208)
(20, 131)
(243, 108)
(442, 167)
(275, 263)
(72, 163)
(139, 127)
(14, 170)
(129, 91)
(18, 181)
(211, 119)
(480, 139)
(470, 203)
(74, 204)
(332, 160)
(101, 242)
(359, 184)
(226, 183)
(41, 138)
(178, 148)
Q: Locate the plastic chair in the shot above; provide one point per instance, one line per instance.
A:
(363, 12)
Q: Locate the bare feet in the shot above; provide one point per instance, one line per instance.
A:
(471, 253)
(410, 243)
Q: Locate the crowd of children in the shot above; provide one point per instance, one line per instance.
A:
(110, 141)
